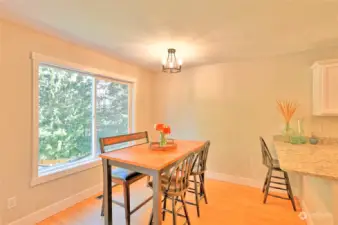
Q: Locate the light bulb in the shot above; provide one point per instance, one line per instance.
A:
(180, 62)
(164, 61)
(171, 65)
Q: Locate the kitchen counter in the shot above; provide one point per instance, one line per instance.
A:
(315, 172)
(316, 160)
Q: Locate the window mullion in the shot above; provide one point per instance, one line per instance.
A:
(130, 109)
(94, 133)
(131, 125)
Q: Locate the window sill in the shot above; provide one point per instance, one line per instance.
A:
(66, 171)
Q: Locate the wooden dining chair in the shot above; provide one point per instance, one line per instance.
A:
(198, 174)
(174, 185)
(273, 166)
(122, 176)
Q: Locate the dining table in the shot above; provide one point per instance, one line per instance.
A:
(141, 158)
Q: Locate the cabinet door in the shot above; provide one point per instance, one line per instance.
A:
(330, 90)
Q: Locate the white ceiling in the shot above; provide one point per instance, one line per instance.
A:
(203, 32)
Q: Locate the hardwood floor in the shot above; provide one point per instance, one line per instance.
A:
(228, 204)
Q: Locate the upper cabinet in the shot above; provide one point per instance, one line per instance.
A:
(325, 88)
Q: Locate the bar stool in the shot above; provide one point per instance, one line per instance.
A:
(122, 176)
(273, 165)
(198, 171)
(174, 186)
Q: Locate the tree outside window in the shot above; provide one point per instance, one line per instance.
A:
(66, 112)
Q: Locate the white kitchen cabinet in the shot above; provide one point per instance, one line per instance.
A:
(325, 88)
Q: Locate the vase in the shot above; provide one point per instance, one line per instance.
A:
(313, 140)
(287, 132)
(163, 139)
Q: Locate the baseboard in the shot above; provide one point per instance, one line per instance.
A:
(234, 179)
(317, 218)
(50, 210)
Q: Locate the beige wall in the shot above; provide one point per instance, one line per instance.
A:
(17, 42)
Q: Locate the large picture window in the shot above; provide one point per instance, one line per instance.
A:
(76, 108)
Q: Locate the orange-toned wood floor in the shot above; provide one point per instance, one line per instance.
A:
(229, 204)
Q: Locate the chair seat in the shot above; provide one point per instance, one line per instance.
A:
(275, 164)
(174, 186)
(124, 174)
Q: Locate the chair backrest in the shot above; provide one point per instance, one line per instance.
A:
(266, 156)
(114, 140)
(178, 179)
(200, 163)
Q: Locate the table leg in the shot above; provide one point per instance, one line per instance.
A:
(334, 185)
(107, 193)
(157, 196)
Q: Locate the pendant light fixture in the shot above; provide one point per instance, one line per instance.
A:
(171, 64)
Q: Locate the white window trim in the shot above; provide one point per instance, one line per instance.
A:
(63, 171)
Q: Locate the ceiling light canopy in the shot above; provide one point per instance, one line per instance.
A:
(171, 64)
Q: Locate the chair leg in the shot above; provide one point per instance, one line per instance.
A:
(265, 182)
(151, 218)
(196, 197)
(174, 210)
(203, 188)
(289, 190)
(185, 209)
(164, 207)
(176, 200)
(102, 207)
(127, 202)
(267, 186)
(148, 180)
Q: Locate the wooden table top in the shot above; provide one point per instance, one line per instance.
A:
(142, 155)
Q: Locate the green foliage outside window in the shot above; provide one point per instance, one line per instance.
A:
(66, 112)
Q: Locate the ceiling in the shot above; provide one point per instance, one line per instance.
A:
(203, 32)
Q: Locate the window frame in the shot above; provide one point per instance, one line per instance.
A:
(94, 161)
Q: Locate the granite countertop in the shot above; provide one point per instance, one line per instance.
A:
(317, 160)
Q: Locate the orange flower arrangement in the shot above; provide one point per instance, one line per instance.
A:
(164, 130)
(159, 126)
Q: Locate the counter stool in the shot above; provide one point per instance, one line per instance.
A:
(174, 186)
(198, 171)
(273, 165)
(122, 176)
